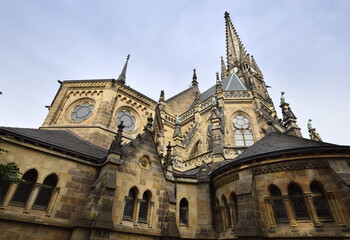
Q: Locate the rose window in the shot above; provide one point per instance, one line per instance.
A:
(241, 122)
(127, 118)
(82, 112)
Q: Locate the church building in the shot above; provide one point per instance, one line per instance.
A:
(109, 162)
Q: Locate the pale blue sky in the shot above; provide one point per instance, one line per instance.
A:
(301, 47)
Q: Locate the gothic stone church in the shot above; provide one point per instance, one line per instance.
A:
(111, 163)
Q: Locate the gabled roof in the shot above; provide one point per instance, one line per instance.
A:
(276, 143)
(229, 83)
(58, 139)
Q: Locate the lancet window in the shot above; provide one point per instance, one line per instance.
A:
(298, 202)
(144, 207)
(25, 188)
(183, 215)
(130, 204)
(46, 191)
(278, 204)
(320, 202)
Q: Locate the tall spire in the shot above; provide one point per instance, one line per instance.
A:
(194, 78)
(122, 75)
(235, 50)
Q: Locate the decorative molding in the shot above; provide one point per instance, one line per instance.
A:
(225, 180)
(290, 167)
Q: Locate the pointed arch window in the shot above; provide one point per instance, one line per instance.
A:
(243, 132)
(25, 188)
(144, 207)
(130, 204)
(297, 198)
(183, 215)
(227, 212)
(234, 208)
(278, 204)
(46, 191)
(320, 202)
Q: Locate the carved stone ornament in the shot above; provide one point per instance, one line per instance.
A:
(144, 163)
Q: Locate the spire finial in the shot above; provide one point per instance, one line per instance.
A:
(236, 53)
(122, 76)
(194, 78)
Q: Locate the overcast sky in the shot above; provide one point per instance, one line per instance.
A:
(302, 48)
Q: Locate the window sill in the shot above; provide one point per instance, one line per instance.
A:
(183, 225)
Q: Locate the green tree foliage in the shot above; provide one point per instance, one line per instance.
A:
(9, 172)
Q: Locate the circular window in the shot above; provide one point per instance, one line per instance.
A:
(82, 112)
(241, 122)
(128, 119)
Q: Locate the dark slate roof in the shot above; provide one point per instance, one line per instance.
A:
(276, 143)
(229, 83)
(60, 139)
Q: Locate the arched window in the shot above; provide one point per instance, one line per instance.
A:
(235, 208)
(243, 132)
(130, 204)
(210, 137)
(45, 193)
(319, 201)
(144, 206)
(227, 212)
(25, 188)
(298, 203)
(183, 219)
(278, 204)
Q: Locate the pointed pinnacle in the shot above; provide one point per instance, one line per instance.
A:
(122, 75)
(194, 78)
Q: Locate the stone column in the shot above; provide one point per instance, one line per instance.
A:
(136, 214)
(290, 213)
(52, 202)
(151, 209)
(122, 213)
(337, 214)
(224, 221)
(9, 195)
(231, 209)
(270, 214)
(32, 198)
(312, 210)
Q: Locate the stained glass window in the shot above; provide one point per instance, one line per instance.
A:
(128, 119)
(243, 133)
(82, 112)
(278, 204)
(319, 201)
(298, 202)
